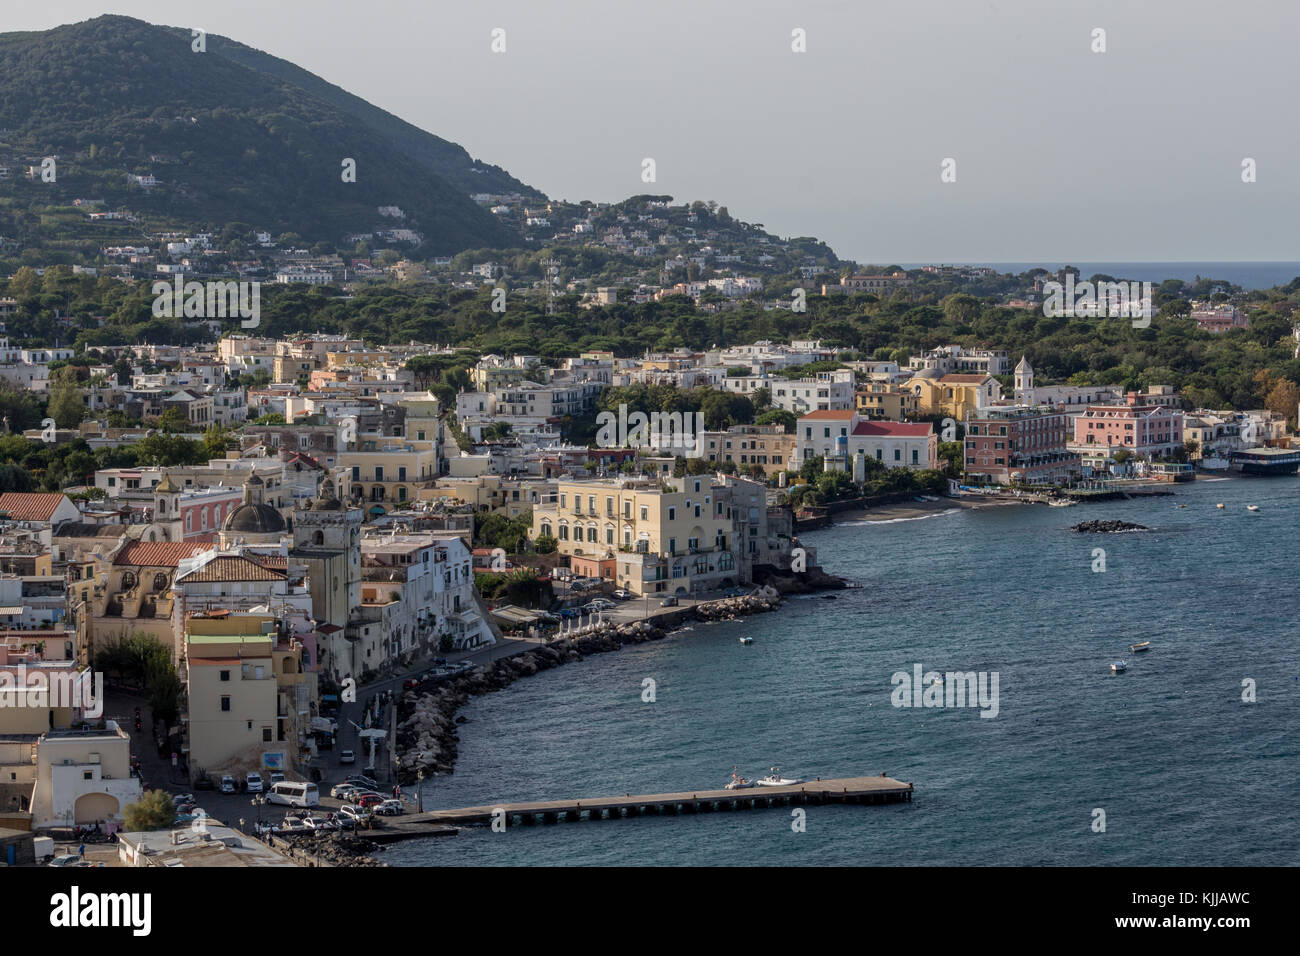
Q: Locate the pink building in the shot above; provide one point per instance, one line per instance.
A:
(1148, 431)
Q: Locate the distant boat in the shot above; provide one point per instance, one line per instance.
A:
(774, 779)
(747, 640)
(1119, 667)
(1252, 507)
(1139, 648)
(1219, 505)
(1060, 502)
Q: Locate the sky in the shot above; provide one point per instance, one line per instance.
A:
(1061, 153)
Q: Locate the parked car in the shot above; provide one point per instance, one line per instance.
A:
(180, 798)
(274, 778)
(668, 602)
(600, 604)
(65, 859)
(623, 594)
(391, 808)
(347, 756)
(341, 791)
(355, 815)
(227, 783)
(568, 612)
(317, 823)
(362, 779)
(735, 592)
(369, 801)
(203, 782)
(253, 781)
(411, 683)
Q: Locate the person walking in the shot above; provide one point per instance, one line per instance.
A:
(81, 851)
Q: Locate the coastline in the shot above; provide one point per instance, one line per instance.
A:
(912, 510)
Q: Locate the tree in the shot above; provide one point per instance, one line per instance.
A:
(1283, 399)
(545, 544)
(173, 420)
(66, 406)
(153, 811)
(778, 416)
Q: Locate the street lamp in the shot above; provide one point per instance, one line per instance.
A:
(257, 802)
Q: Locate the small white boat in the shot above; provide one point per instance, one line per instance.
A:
(1219, 506)
(1139, 648)
(1252, 507)
(774, 779)
(1119, 667)
(737, 782)
(747, 640)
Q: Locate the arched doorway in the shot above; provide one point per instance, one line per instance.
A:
(92, 807)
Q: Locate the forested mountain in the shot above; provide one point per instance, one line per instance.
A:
(231, 134)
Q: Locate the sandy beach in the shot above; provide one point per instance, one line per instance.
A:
(908, 510)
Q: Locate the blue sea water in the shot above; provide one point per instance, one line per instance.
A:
(1186, 772)
(1248, 275)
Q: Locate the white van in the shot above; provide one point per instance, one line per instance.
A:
(294, 794)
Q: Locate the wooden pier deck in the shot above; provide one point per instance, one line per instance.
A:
(848, 790)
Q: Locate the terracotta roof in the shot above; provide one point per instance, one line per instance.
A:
(824, 413)
(30, 506)
(958, 378)
(159, 554)
(895, 429)
(233, 569)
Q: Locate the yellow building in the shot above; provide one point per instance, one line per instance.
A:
(249, 698)
(767, 446)
(387, 476)
(955, 395)
(674, 538)
(884, 401)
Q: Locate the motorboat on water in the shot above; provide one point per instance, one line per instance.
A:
(1219, 506)
(1119, 667)
(738, 782)
(747, 640)
(1060, 502)
(1139, 648)
(1252, 507)
(774, 779)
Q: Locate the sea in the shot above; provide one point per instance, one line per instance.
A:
(1190, 757)
(1247, 275)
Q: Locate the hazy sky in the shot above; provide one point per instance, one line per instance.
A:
(1061, 153)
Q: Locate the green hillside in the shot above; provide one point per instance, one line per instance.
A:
(233, 135)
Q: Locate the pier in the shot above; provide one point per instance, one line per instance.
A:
(843, 790)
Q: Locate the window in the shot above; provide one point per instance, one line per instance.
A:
(225, 704)
(672, 514)
(266, 735)
(898, 454)
(225, 675)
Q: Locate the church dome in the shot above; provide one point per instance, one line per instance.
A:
(254, 519)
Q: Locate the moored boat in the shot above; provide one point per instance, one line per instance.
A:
(737, 782)
(1139, 648)
(747, 640)
(1119, 667)
(774, 779)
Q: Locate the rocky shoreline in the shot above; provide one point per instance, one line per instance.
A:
(426, 732)
(1107, 527)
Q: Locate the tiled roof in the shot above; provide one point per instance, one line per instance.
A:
(30, 506)
(824, 413)
(957, 378)
(159, 554)
(88, 529)
(233, 569)
(894, 429)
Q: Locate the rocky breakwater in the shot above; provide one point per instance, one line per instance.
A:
(427, 741)
(801, 582)
(1107, 527)
(327, 848)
